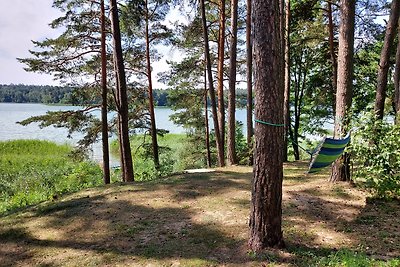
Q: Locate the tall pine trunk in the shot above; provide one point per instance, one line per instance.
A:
(220, 75)
(207, 131)
(266, 201)
(249, 70)
(231, 153)
(384, 60)
(220, 145)
(104, 121)
(123, 98)
(332, 53)
(121, 149)
(153, 130)
(340, 168)
(397, 80)
(286, 104)
(119, 127)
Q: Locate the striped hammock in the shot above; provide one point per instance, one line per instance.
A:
(327, 152)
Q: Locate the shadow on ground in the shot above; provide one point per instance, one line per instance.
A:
(197, 220)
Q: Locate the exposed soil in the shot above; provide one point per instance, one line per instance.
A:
(198, 219)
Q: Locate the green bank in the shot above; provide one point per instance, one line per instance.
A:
(32, 171)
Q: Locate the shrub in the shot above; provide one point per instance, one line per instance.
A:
(170, 147)
(376, 150)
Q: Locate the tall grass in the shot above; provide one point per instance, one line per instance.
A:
(32, 171)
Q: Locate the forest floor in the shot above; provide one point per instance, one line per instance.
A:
(201, 219)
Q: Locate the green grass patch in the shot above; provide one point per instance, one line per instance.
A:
(341, 258)
(32, 171)
(347, 258)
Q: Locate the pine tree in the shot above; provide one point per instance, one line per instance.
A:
(266, 200)
(341, 169)
(384, 60)
(128, 175)
(231, 147)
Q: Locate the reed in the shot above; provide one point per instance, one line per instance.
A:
(32, 171)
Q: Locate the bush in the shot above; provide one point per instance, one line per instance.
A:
(376, 151)
(170, 147)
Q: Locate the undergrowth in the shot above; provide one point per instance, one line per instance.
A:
(170, 148)
(32, 171)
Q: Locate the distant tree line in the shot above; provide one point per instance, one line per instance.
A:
(20, 93)
(47, 94)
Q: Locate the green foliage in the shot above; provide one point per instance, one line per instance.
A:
(376, 151)
(170, 148)
(32, 171)
(365, 74)
(242, 150)
(188, 101)
(35, 94)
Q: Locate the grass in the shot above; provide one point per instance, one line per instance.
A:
(32, 171)
(202, 220)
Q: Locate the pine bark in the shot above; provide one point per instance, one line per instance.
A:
(332, 53)
(121, 149)
(119, 127)
(153, 128)
(207, 131)
(397, 80)
(249, 78)
(104, 120)
(220, 76)
(123, 98)
(231, 141)
(384, 60)
(220, 145)
(286, 105)
(266, 205)
(340, 168)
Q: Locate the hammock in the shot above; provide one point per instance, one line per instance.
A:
(327, 152)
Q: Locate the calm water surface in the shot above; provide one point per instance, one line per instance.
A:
(11, 113)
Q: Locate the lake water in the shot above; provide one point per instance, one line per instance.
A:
(11, 113)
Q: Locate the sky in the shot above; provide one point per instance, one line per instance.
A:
(24, 20)
(20, 22)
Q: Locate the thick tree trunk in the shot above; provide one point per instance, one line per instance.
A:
(104, 120)
(220, 74)
(344, 85)
(266, 205)
(220, 145)
(286, 105)
(332, 53)
(123, 109)
(384, 60)
(231, 153)
(249, 67)
(397, 80)
(153, 130)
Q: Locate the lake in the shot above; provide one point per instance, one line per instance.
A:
(11, 113)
